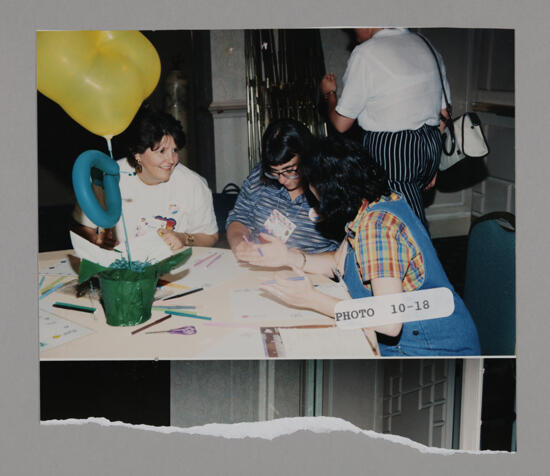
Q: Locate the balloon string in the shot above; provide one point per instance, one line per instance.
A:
(110, 147)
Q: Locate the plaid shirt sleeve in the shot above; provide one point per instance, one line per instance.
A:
(384, 249)
(376, 247)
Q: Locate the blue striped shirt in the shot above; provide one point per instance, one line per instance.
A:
(256, 202)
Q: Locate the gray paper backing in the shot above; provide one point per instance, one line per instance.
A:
(27, 448)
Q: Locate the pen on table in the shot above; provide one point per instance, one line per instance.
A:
(174, 307)
(158, 321)
(182, 294)
(51, 290)
(292, 278)
(216, 258)
(245, 238)
(74, 307)
(41, 282)
(204, 259)
(184, 314)
(52, 284)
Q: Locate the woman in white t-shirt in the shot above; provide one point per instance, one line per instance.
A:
(159, 195)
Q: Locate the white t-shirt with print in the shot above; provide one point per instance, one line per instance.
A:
(183, 204)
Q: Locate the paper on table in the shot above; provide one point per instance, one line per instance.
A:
(203, 272)
(55, 331)
(231, 346)
(252, 303)
(324, 343)
(85, 249)
(149, 248)
(62, 268)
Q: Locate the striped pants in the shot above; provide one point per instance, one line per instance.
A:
(410, 158)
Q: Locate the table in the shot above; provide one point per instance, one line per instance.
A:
(222, 337)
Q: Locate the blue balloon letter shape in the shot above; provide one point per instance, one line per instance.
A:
(82, 171)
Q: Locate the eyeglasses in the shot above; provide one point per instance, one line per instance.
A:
(290, 174)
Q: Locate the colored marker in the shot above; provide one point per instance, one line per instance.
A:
(204, 259)
(49, 291)
(170, 309)
(216, 258)
(52, 284)
(182, 294)
(184, 314)
(158, 321)
(292, 278)
(174, 307)
(74, 307)
(41, 282)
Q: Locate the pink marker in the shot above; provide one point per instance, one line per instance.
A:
(216, 258)
(204, 259)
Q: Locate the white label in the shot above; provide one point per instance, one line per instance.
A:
(394, 308)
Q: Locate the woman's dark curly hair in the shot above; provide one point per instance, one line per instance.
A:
(282, 140)
(146, 131)
(343, 175)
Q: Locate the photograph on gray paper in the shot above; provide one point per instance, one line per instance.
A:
(209, 199)
(270, 194)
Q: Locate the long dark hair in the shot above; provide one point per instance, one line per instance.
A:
(146, 131)
(282, 140)
(343, 174)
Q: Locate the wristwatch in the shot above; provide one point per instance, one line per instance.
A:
(189, 239)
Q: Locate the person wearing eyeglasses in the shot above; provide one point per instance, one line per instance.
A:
(273, 199)
(386, 250)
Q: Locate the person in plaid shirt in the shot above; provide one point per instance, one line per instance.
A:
(386, 250)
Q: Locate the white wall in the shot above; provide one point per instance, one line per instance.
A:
(228, 106)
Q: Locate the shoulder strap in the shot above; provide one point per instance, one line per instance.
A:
(438, 70)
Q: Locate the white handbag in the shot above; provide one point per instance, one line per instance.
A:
(462, 137)
(465, 139)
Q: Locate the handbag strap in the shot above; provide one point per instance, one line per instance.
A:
(447, 104)
(447, 120)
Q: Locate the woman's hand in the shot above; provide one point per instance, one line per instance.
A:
(171, 238)
(106, 239)
(432, 183)
(328, 83)
(295, 291)
(245, 250)
(272, 254)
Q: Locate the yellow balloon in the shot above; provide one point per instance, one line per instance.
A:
(100, 78)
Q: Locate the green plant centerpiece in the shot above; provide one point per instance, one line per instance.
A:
(127, 292)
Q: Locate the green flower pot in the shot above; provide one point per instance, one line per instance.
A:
(128, 295)
(127, 303)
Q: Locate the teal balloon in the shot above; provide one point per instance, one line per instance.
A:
(97, 167)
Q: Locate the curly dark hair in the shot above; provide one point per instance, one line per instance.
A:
(146, 131)
(282, 140)
(343, 174)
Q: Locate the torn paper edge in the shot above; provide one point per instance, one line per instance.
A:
(272, 429)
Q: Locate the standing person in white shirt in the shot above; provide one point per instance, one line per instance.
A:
(159, 195)
(392, 88)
